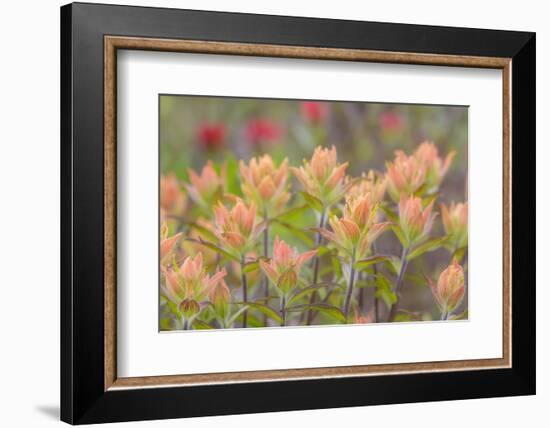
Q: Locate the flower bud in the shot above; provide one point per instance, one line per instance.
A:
(450, 288)
(265, 184)
(189, 308)
(415, 221)
(220, 297)
(455, 222)
(283, 269)
(323, 177)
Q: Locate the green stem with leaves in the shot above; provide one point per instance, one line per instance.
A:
(399, 282)
(245, 292)
(376, 299)
(283, 310)
(266, 254)
(318, 240)
(349, 290)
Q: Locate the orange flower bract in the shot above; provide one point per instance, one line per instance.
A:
(322, 176)
(238, 228)
(415, 221)
(449, 290)
(455, 222)
(265, 184)
(357, 229)
(207, 186)
(284, 268)
(189, 284)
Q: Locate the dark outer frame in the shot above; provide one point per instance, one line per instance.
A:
(83, 395)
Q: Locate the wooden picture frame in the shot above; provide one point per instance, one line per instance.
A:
(91, 390)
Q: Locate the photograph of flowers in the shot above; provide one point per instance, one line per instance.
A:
(277, 213)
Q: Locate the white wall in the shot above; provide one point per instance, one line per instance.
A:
(29, 213)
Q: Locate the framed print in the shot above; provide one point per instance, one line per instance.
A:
(265, 213)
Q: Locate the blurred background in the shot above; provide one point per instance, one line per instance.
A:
(196, 129)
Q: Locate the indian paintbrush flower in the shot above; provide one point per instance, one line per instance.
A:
(207, 187)
(237, 229)
(259, 131)
(372, 183)
(435, 167)
(406, 175)
(265, 184)
(449, 290)
(357, 228)
(172, 199)
(455, 222)
(314, 111)
(220, 297)
(167, 244)
(211, 135)
(189, 285)
(323, 177)
(415, 220)
(390, 121)
(284, 267)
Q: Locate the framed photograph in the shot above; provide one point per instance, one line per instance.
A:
(265, 213)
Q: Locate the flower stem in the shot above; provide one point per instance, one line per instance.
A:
(349, 290)
(444, 316)
(283, 310)
(361, 297)
(266, 254)
(318, 240)
(245, 293)
(376, 299)
(399, 282)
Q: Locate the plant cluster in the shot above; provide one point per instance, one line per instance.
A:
(224, 264)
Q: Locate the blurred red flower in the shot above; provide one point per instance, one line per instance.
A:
(390, 121)
(211, 135)
(314, 111)
(260, 130)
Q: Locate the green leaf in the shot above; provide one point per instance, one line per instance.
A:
(236, 315)
(232, 175)
(266, 310)
(337, 267)
(430, 245)
(293, 212)
(404, 316)
(305, 291)
(165, 324)
(173, 308)
(389, 213)
(299, 233)
(459, 253)
(400, 235)
(429, 198)
(363, 264)
(416, 279)
(329, 310)
(384, 291)
(313, 202)
(201, 325)
(393, 263)
(215, 248)
(420, 191)
(203, 231)
(254, 322)
(461, 316)
(321, 251)
(251, 266)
